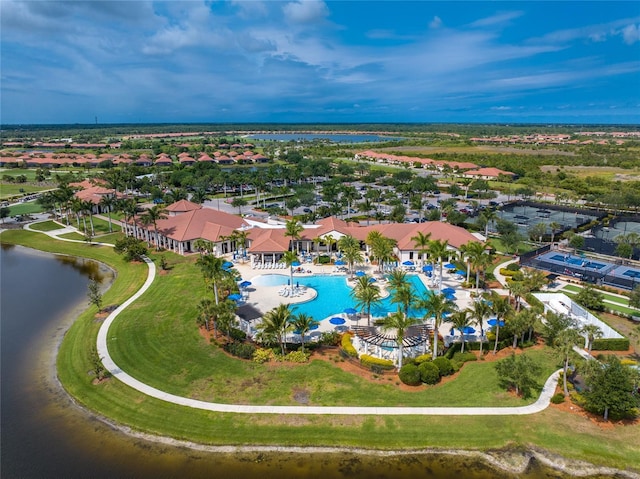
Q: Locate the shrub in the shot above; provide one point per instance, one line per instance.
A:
(241, 350)
(444, 366)
(463, 357)
(422, 358)
(297, 357)
(410, 375)
(374, 363)
(345, 342)
(262, 355)
(507, 272)
(237, 334)
(429, 372)
(513, 267)
(628, 362)
(610, 344)
(324, 259)
(557, 398)
(131, 248)
(329, 338)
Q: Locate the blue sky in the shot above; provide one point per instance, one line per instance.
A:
(315, 61)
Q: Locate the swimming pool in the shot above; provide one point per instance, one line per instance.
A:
(572, 260)
(334, 296)
(632, 273)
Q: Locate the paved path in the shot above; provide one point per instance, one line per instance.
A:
(103, 351)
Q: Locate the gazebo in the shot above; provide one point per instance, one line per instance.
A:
(384, 344)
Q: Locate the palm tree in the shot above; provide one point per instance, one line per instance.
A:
(151, 217)
(212, 271)
(76, 208)
(461, 320)
(518, 289)
(302, 324)
(397, 279)
(436, 306)
(480, 311)
(554, 227)
(565, 341)
(205, 307)
(293, 229)
(366, 294)
(108, 202)
(329, 240)
(400, 322)
(276, 323)
(592, 331)
(87, 207)
(438, 252)
(289, 258)
(404, 296)
(501, 307)
(488, 216)
(202, 245)
(478, 257)
(130, 209)
(241, 238)
(350, 248)
(421, 243)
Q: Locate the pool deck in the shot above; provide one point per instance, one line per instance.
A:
(265, 298)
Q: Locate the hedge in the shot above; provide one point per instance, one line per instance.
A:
(610, 344)
(347, 346)
(429, 373)
(507, 272)
(410, 375)
(372, 362)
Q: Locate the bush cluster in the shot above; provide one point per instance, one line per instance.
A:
(262, 355)
(237, 334)
(444, 365)
(372, 362)
(429, 372)
(297, 357)
(410, 375)
(241, 350)
(610, 344)
(346, 345)
(557, 398)
(424, 370)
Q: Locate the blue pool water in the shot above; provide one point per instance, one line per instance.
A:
(334, 296)
(632, 273)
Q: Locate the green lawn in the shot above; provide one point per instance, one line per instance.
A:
(46, 226)
(73, 236)
(614, 303)
(208, 374)
(25, 209)
(499, 245)
(8, 190)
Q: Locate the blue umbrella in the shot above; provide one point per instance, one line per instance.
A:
(467, 330)
(450, 266)
(372, 280)
(427, 269)
(449, 291)
(314, 326)
(493, 322)
(461, 272)
(450, 296)
(340, 263)
(227, 265)
(360, 273)
(295, 263)
(337, 320)
(235, 297)
(244, 284)
(351, 311)
(408, 263)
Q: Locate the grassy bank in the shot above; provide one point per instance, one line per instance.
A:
(197, 369)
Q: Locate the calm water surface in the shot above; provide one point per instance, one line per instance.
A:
(44, 435)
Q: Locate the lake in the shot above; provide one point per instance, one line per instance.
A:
(332, 138)
(46, 435)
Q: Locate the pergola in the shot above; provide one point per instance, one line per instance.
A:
(413, 336)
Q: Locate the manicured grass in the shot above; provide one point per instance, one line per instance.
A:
(614, 303)
(498, 245)
(46, 226)
(25, 209)
(72, 236)
(566, 434)
(7, 190)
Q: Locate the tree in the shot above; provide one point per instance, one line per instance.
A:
(130, 209)
(517, 289)
(302, 324)
(151, 217)
(501, 307)
(421, 243)
(276, 323)
(576, 242)
(479, 312)
(564, 343)
(293, 229)
(461, 320)
(202, 246)
(555, 227)
(99, 370)
(399, 322)
(108, 202)
(592, 331)
(487, 217)
(611, 389)
(537, 231)
(87, 207)
(436, 306)
(4, 213)
(519, 372)
(212, 272)
(554, 324)
(478, 257)
(397, 279)
(132, 248)
(205, 313)
(350, 248)
(438, 251)
(238, 202)
(381, 248)
(634, 297)
(366, 294)
(405, 297)
(94, 294)
(590, 298)
(289, 258)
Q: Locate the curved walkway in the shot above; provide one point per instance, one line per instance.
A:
(103, 351)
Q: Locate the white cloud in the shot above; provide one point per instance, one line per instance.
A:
(631, 34)
(501, 108)
(436, 22)
(498, 19)
(305, 11)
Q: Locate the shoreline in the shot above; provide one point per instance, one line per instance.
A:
(514, 461)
